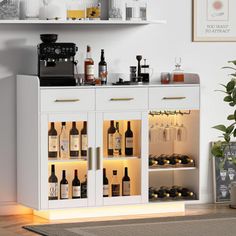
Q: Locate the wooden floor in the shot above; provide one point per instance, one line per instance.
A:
(12, 225)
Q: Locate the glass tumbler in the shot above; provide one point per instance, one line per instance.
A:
(10, 10)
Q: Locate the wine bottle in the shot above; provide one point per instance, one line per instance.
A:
(173, 160)
(84, 188)
(64, 142)
(162, 160)
(126, 183)
(174, 192)
(52, 142)
(115, 186)
(89, 66)
(162, 193)
(117, 141)
(110, 138)
(185, 160)
(53, 185)
(105, 184)
(76, 188)
(152, 161)
(152, 194)
(129, 142)
(102, 69)
(84, 140)
(74, 141)
(64, 187)
(185, 192)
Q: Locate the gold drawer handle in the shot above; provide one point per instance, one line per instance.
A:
(66, 100)
(90, 158)
(121, 99)
(174, 98)
(98, 158)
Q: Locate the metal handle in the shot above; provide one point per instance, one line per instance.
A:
(98, 158)
(174, 98)
(121, 99)
(90, 158)
(67, 100)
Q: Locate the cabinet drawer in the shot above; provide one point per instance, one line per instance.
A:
(174, 98)
(117, 99)
(66, 100)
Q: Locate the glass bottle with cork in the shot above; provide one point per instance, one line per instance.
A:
(178, 73)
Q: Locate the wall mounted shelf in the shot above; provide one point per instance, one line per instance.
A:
(172, 169)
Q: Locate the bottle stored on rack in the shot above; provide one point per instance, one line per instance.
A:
(185, 192)
(64, 187)
(84, 140)
(115, 186)
(110, 138)
(117, 141)
(126, 184)
(105, 184)
(173, 160)
(89, 66)
(52, 142)
(102, 69)
(174, 192)
(129, 140)
(64, 142)
(74, 141)
(84, 188)
(153, 194)
(76, 187)
(185, 160)
(53, 185)
(152, 161)
(162, 160)
(162, 193)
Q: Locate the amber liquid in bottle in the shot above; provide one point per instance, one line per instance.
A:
(89, 67)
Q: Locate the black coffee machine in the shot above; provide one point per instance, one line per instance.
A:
(56, 62)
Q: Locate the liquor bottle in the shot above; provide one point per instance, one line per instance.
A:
(84, 188)
(115, 186)
(74, 141)
(64, 142)
(76, 188)
(178, 73)
(84, 140)
(129, 140)
(53, 185)
(126, 183)
(64, 187)
(105, 184)
(52, 142)
(110, 138)
(117, 141)
(89, 66)
(102, 69)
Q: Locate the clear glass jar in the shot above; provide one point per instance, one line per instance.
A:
(116, 10)
(9, 9)
(76, 9)
(178, 73)
(93, 9)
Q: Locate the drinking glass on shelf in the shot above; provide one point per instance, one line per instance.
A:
(93, 9)
(182, 133)
(9, 9)
(116, 10)
(31, 9)
(76, 9)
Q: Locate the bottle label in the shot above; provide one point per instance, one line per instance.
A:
(103, 73)
(117, 143)
(84, 142)
(74, 143)
(64, 147)
(53, 190)
(126, 188)
(110, 141)
(129, 142)
(52, 144)
(64, 191)
(90, 70)
(105, 190)
(76, 191)
(84, 190)
(115, 190)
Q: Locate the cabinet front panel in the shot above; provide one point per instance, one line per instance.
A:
(174, 98)
(118, 99)
(67, 100)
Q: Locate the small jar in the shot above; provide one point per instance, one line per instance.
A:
(165, 78)
(10, 10)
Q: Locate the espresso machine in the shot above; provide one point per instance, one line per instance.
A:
(56, 62)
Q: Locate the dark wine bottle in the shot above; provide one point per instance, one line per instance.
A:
(105, 184)
(84, 188)
(53, 185)
(110, 138)
(129, 140)
(126, 183)
(76, 188)
(52, 142)
(84, 140)
(185, 160)
(102, 69)
(64, 187)
(74, 141)
(115, 186)
(174, 192)
(162, 193)
(153, 194)
(162, 160)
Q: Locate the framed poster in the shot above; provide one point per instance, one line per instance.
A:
(224, 173)
(214, 20)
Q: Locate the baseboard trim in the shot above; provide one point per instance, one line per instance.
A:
(12, 208)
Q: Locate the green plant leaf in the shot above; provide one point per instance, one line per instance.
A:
(227, 138)
(232, 104)
(228, 99)
(228, 67)
(231, 117)
(220, 127)
(234, 75)
(217, 151)
(235, 133)
(223, 85)
(234, 62)
(230, 129)
(230, 86)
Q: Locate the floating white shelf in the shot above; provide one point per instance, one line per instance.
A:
(172, 169)
(66, 161)
(120, 158)
(83, 22)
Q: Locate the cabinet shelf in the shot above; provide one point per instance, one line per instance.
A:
(172, 169)
(83, 22)
(121, 158)
(66, 161)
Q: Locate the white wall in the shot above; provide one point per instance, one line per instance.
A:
(159, 43)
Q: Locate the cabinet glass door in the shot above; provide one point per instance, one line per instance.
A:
(121, 158)
(67, 165)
